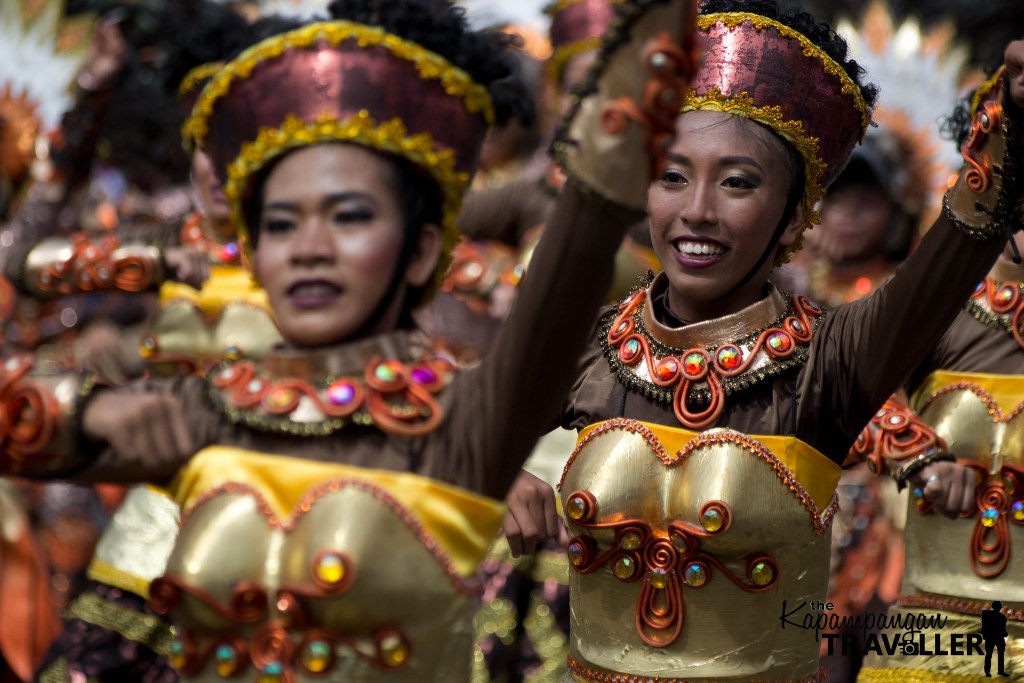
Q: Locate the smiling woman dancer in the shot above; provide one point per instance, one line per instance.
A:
(713, 409)
(344, 492)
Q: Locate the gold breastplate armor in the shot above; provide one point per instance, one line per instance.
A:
(671, 528)
(972, 557)
(349, 584)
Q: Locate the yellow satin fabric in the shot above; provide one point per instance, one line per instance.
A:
(1007, 390)
(462, 522)
(226, 285)
(816, 473)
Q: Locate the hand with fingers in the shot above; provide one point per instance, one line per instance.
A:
(948, 486)
(145, 431)
(100, 348)
(532, 516)
(188, 266)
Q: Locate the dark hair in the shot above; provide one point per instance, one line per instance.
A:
(441, 27)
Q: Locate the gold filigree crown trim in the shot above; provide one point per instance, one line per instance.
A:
(561, 5)
(431, 66)
(197, 75)
(847, 84)
(984, 89)
(389, 136)
(793, 131)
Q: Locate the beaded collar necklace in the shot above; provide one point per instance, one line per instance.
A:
(718, 359)
(999, 302)
(387, 382)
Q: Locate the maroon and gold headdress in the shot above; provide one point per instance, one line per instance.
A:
(339, 81)
(190, 89)
(763, 70)
(577, 26)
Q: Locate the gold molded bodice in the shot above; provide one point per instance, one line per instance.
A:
(229, 314)
(684, 548)
(311, 570)
(980, 557)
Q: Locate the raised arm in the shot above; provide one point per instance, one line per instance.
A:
(505, 214)
(503, 406)
(869, 348)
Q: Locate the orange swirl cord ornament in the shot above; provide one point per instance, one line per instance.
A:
(1000, 304)
(987, 119)
(894, 436)
(683, 372)
(663, 563)
(94, 265)
(398, 398)
(999, 502)
(28, 416)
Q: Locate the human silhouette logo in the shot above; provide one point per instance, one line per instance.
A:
(993, 630)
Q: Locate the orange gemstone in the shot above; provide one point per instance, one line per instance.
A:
(729, 357)
(576, 508)
(762, 574)
(280, 397)
(330, 568)
(667, 368)
(780, 341)
(694, 364)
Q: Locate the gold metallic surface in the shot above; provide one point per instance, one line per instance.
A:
(135, 546)
(204, 325)
(938, 549)
(411, 545)
(727, 632)
(947, 668)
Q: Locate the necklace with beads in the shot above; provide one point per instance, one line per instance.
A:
(696, 380)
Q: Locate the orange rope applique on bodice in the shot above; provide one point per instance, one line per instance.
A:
(704, 375)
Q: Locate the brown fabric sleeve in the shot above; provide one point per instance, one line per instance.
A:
(202, 421)
(864, 351)
(506, 213)
(107, 466)
(500, 408)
